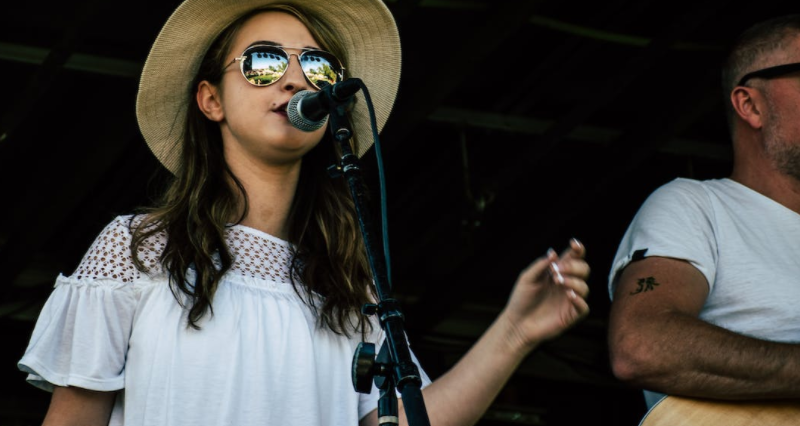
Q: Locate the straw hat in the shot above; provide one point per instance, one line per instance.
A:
(366, 28)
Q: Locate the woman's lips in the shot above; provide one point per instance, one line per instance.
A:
(281, 110)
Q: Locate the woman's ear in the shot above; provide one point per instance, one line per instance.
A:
(208, 101)
(748, 102)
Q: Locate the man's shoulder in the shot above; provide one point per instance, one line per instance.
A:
(680, 190)
(686, 184)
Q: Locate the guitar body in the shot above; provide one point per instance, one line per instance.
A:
(680, 411)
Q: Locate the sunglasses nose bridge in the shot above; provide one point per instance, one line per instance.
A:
(294, 74)
(296, 61)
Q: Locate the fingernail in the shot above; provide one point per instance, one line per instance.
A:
(558, 276)
(572, 294)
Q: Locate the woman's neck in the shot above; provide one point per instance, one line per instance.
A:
(270, 192)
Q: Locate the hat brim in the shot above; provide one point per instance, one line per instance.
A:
(366, 29)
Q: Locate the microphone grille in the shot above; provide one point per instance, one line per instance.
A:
(297, 118)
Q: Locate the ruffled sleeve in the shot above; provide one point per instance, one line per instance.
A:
(81, 336)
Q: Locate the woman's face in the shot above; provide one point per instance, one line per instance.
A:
(253, 120)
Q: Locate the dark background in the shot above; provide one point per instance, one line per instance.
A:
(519, 124)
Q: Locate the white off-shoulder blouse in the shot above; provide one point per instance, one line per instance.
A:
(260, 359)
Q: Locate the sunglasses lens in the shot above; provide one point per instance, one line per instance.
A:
(321, 68)
(264, 65)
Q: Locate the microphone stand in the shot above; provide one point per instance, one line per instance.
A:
(394, 366)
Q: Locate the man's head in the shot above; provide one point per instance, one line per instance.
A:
(760, 46)
(761, 78)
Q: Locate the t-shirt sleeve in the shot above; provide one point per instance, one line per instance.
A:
(675, 221)
(81, 335)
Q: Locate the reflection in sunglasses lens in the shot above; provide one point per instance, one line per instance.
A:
(318, 68)
(265, 65)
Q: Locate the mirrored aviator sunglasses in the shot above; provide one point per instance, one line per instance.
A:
(262, 65)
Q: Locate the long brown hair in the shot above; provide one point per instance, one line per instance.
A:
(328, 256)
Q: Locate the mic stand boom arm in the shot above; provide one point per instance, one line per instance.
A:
(400, 370)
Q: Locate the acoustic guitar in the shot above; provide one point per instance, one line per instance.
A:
(681, 411)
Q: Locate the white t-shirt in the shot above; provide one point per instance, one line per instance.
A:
(261, 359)
(745, 244)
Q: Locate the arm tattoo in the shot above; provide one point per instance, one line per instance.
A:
(645, 284)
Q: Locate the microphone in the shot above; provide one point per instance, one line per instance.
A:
(308, 110)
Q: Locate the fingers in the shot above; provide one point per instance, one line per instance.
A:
(575, 250)
(580, 305)
(577, 290)
(569, 267)
(562, 268)
(555, 269)
(571, 262)
(576, 287)
(571, 271)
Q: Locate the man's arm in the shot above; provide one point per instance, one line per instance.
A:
(71, 406)
(657, 342)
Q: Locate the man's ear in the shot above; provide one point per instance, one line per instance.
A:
(208, 99)
(748, 102)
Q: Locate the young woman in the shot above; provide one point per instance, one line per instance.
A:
(236, 300)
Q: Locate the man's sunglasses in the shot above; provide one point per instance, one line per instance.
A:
(770, 72)
(264, 64)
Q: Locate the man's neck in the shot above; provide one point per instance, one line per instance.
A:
(771, 183)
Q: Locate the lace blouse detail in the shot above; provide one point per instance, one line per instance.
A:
(259, 255)
(109, 257)
(256, 255)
